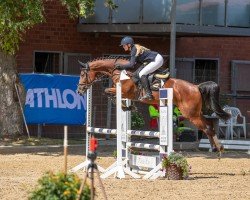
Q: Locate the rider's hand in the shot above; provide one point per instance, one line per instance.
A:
(117, 66)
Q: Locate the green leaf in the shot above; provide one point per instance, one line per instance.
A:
(16, 17)
(59, 186)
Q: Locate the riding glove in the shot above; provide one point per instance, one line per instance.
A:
(117, 66)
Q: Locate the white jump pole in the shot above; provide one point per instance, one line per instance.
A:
(119, 168)
(65, 147)
(166, 130)
(85, 164)
(166, 119)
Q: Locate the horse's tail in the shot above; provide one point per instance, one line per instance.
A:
(210, 92)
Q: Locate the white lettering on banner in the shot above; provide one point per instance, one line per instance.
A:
(59, 98)
(30, 98)
(39, 92)
(80, 101)
(68, 104)
(54, 98)
(51, 97)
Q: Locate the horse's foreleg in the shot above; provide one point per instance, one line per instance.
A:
(207, 127)
(125, 107)
(125, 93)
(111, 92)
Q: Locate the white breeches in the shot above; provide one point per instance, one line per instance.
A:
(152, 66)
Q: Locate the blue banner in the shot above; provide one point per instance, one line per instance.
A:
(52, 99)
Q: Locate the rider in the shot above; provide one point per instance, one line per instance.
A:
(140, 54)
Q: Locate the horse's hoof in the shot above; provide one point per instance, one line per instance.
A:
(132, 108)
(125, 109)
(219, 155)
(222, 148)
(214, 149)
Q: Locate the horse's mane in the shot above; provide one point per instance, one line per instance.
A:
(102, 69)
(109, 58)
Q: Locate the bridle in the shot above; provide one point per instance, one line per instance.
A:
(85, 69)
(88, 82)
(85, 74)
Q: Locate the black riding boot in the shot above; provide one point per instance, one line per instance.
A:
(146, 86)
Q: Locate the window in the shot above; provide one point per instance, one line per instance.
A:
(240, 76)
(205, 70)
(47, 62)
(197, 70)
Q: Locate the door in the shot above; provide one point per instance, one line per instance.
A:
(185, 69)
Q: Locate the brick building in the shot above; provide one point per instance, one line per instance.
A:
(219, 53)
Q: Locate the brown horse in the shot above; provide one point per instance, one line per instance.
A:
(187, 96)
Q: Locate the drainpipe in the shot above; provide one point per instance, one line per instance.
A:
(173, 39)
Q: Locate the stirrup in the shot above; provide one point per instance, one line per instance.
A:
(162, 76)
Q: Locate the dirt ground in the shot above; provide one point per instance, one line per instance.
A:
(228, 178)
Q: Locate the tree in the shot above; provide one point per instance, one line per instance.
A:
(15, 18)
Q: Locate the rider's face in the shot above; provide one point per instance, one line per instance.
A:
(126, 47)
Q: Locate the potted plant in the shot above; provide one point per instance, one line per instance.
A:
(175, 166)
(59, 186)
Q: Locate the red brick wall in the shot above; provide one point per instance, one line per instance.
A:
(59, 33)
(223, 48)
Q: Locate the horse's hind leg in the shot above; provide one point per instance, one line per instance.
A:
(207, 127)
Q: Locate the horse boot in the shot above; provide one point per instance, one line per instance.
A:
(146, 86)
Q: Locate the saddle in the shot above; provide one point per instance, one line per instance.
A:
(155, 79)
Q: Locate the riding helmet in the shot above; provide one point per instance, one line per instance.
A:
(127, 40)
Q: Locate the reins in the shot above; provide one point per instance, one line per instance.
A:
(98, 78)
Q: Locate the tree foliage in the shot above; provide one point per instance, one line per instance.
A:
(18, 16)
(15, 18)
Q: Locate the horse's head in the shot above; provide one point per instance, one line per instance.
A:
(94, 71)
(86, 78)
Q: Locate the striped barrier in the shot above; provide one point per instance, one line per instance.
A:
(165, 135)
(144, 146)
(126, 160)
(144, 133)
(129, 132)
(101, 130)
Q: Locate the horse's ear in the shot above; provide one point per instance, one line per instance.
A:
(81, 63)
(84, 65)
